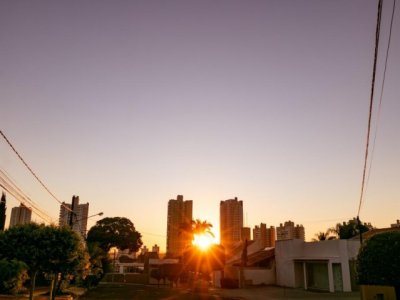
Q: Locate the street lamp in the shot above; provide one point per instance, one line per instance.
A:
(77, 221)
(98, 214)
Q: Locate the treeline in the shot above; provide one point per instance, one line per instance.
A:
(59, 255)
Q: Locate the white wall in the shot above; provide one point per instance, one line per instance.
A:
(260, 276)
(334, 251)
(285, 253)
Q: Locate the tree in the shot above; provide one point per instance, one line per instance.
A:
(43, 248)
(115, 232)
(196, 260)
(196, 227)
(172, 272)
(12, 276)
(378, 262)
(204, 262)
(2, 211)
(202, 227)
(323, 236)
(157, 274)
(98, 265)
(351, 228)
(31, 253)
(66, 255)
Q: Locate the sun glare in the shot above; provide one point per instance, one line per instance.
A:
(203, 241)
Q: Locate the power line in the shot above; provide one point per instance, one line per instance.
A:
(378, 25)
(382, 88)
(16, 196)
(326, 220)
(14, 184)
(20, 198)
(153, 234)
(32, 172)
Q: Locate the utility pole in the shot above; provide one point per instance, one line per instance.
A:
(359, 229)
(71, 215)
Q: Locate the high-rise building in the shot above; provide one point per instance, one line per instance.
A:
(78, 217)
(289, 231)
(20, 215)
(395, 225)
(271, 237)
(245, 234)
(155, 249)
(179, 215)
(265, 236)
(144, 250)
(231, 222)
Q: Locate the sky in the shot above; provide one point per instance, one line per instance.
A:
(130, 103)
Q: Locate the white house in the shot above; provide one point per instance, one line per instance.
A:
(325, 265)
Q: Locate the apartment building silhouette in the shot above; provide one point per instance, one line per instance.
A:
(78, 217)
(179, 215)
(20, 215)
(289, 231)
(231, 222)
(265, 235)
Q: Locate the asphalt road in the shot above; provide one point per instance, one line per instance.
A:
(146, 292)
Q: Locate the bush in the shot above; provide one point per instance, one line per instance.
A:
(229, 283)
(157, 274)
(378, 261)
(90, 281)
(12, 276)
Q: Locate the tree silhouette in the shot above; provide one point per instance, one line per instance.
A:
(2, 211)
(196, 227)
(323, 236)
(350, 229)
(42, 248)
(202, 227)
(378, 262)
(115, 232)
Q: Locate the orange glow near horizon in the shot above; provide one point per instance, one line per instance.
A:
(203, 241)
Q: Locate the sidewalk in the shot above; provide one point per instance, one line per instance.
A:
(39, 294)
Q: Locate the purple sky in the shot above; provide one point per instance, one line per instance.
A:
(129, 103)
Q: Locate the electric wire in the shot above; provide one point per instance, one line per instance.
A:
(154, 234)
(33, 173)
(381, 94)
(15, 185)
(326, 220)
(25, 202)
(377, 33)
(20, 196)
(10, 192)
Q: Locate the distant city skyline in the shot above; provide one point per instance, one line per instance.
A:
(129, 103)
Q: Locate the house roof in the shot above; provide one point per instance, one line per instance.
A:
(256, 257)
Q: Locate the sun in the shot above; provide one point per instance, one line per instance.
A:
(203, 241)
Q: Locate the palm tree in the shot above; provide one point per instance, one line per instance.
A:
(323, 236)
(196, 227)
(202, 227)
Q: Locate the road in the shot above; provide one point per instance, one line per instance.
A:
(147, 292)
